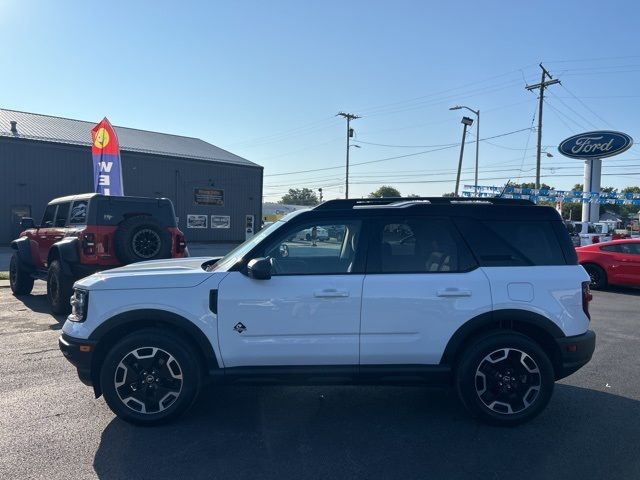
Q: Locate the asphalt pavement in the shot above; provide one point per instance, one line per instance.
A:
(51, 427)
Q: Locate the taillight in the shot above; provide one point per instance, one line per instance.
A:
(89, 244)
(586, 298)
(596, 239)
(181, 243)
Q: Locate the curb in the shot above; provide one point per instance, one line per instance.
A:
(4, 284)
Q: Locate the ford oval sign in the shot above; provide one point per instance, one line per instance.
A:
(600, 144)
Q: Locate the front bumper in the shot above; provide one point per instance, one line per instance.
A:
(575, 352)
(79, 352)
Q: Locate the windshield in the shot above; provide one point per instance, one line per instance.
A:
(241, 250)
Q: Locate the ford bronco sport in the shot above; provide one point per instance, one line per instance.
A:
(80, 235)
(482, 294)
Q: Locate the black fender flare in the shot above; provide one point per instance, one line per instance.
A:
(22, 246)
(124, 323)
(509, 319)
(67, 250)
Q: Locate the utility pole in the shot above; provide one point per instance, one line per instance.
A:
(349, 117)
(320, 192)
(541, 86)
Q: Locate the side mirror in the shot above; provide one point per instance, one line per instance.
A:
(259, 269)
(26, 223)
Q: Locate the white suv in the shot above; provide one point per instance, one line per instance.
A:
(485, 295)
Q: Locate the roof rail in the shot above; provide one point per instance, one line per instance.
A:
(346, 204)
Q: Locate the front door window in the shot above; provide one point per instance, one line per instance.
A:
(316, 249)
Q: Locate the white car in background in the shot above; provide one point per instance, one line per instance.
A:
(322, 234)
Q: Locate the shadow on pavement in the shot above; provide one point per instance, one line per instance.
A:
(374, 432)
(40, 304)
(624, 290)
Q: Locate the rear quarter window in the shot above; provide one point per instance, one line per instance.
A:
(501, 243)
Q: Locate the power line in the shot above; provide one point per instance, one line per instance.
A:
(586, 120)
(390, 158)
(587, 107)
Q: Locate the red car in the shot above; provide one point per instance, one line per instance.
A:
(611, 263)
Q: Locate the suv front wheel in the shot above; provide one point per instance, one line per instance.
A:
(150, 377)
(20, 280)
(505, 378)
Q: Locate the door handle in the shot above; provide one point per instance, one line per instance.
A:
(330, 293)
(453, 292)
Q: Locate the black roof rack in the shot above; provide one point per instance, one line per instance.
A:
(346, 204)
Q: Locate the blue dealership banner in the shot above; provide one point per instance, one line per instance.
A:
(107, 167)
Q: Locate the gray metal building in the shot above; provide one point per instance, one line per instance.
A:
(216, 194)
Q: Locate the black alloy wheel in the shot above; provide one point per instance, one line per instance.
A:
(150, 377)
(146, 243)
(504, 378)
(508, 380)
(597, 276)
(148, 380)
(20, 281)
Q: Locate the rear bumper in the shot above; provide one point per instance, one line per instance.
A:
(79, 352)
(575, 352)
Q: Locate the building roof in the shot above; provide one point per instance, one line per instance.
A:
(34, 126)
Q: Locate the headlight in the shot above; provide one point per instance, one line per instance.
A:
(79, 304)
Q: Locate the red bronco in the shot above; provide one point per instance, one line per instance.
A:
(82, 234)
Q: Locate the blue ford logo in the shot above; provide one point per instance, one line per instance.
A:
(600, 144)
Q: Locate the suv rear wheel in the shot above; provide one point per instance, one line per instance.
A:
(59, 289)
(141, 238)
(150, 377)
(20, 280)
(505, 379)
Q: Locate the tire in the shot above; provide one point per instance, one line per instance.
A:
(308, 237)
(481, 372)
(150, 377)
(597, 275)
(59, 289)
(141, 238)
(20, 280)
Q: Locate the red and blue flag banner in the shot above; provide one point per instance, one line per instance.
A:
(107, 168)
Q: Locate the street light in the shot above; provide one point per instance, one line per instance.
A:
(477, 113)
(466, 121)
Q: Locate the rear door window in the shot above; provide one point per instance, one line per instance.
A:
(416, 245)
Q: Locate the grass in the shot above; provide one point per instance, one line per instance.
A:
(4, 275)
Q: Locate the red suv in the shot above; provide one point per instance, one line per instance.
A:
(82, 234)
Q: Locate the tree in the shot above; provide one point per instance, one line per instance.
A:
(300, 196)
(385, 191)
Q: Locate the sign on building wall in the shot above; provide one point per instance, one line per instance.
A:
(208, 196)
(196, 221)
(220, 221)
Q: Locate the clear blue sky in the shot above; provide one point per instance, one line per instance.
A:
(264, 79)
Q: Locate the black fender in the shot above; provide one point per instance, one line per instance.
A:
(509, 319)
(115, 328)
(67, 251)
(22, 246)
